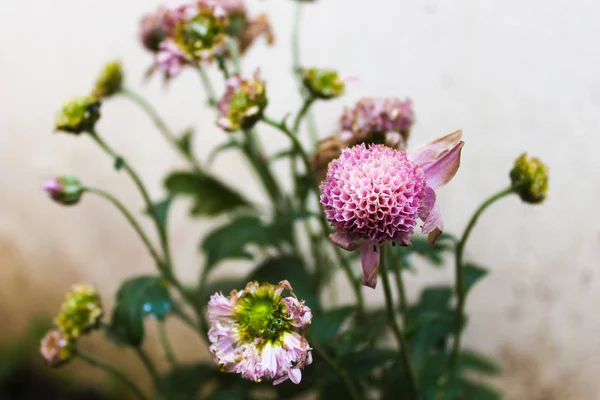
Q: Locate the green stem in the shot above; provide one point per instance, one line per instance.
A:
(234, 52)
(338, 371)
(322, 219)
(459, 284)
(221, 62)
(401, 291)
(391, 319)
(210, 91)
(148, 365)
(166, 343)
(112, 370)
(149, 205)
(161, 125)
(136, 226)
(305, 108)
(296, 41)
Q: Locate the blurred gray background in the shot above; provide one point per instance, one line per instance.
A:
(514, 75)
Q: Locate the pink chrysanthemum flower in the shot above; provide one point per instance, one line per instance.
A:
(260, 334)
(243, 103)
(375, 194)
(380, 120)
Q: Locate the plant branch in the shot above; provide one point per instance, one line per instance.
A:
(113, 371)
(338, 371)
(166, 343)
(459, 283)
(391, 319)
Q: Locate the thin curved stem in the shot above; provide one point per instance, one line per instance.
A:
(459, 283)
(303, 111)
(161, 125)
(401, 293)
(322, 220)
(113, 371)
(148, 365)
(391, 319)
(296, 40)
(163, 336)
(127, 214)
(210, 91)
(354, 395)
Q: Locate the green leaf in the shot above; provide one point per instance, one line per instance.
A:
(119, 163)
(471, 361)
(361, 364)
(288, 268)
(326, 326)
(362, 333)
(230, 241)
(211, 196)
(219, 149)
(185, 141)
(185, 381)
(137, 298)
(161, 210)
(303, 183)
(477, 390)
(420, 246)
(471, 275)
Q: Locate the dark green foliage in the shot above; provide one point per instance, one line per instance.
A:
(185, 381)
(211, 196)
(137, 298)
(433, 254)
(185, 142)
(325, 326)
(161, 210)
(471, 275)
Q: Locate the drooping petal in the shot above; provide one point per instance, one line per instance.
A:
(295, 375)
(442, 170)
(344, 241)
(431, 216)
(369, 257)
(431, 151)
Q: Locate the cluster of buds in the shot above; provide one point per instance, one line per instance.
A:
(243, 103)
(371, 121)
(80, 313)
(197, 31)
(529, 178)
(259, 334)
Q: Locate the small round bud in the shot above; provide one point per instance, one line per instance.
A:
(323, 83)
(56, 349)
(203, 32)
(529, 178)
(243, 104)
(78, 115)
(110, 80)
(80, 312)
(65, 190)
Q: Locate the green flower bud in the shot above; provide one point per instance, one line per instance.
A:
(243, 103)
(80, 312)
(110, 80)
(56, 349)
(79, 115)
(323, 83)
(204, 34)
(529, 179)
(65, 190)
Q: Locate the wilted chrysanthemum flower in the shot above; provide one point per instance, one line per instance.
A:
(323, 83)
(80, 312)
(157, 26)
(529, 178)
(382, 120)
(56, 349)
(243, 103)
(78, 115)
(65, 190)
(259, 334)
(110, 80)
(374, 194)
(170, 59)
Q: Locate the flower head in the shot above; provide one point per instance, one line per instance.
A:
(323, 83)
(65, 190)
(328, 150)
(80, 312)
(110, 81)
(385, 121)
(202, 30)
(529, 178)
(78, 115)
(243, 103)
(259, 334)
(375, 194)
(56, 349)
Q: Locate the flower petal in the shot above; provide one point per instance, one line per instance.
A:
(442, 170)
(369, 257)
(295, 375)
(431, 151)
(431, 216)
(344, 241)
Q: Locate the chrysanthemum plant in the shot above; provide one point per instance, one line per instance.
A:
(357, 199)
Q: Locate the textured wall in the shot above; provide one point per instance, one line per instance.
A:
(513, 75)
